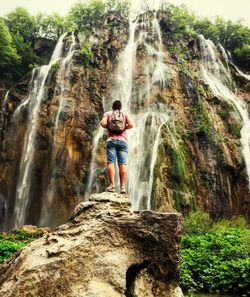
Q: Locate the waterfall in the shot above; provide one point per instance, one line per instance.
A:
(5, 99)
(34, 99)
(219, 78)
(61, 91)
(141, 103)
(63, 74)
(246, 76)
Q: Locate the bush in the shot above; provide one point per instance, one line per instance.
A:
(15, 240)
(86, 55)
(197, 223)
(8, 54)
(216, 258)
(8, 248)
(86, 15)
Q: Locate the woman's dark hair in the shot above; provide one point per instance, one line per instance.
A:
(117, 105)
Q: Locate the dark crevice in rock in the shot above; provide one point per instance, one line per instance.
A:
(131, 274)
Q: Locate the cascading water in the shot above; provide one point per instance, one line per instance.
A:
(63, 74)
(220, 81)
(34, 99)
(5, 99)
(139, 100)
(60, 90)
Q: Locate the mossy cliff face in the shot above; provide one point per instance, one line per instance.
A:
(62, 157)
(203, 167)
(199, 162)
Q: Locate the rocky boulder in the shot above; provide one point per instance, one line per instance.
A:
(105, 250)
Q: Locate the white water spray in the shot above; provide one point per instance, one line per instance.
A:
(5, 99)
(63, 74)
(34, 100)
(220, 81)
(149, 116)
(61, 91)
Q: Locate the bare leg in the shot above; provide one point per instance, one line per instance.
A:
(111, 173)
(123, 174)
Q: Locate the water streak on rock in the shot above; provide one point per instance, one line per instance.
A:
(220, 81)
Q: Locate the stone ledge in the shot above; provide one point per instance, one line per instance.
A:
(106, 250)
(111, 197)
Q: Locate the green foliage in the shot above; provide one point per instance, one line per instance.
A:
(222, 224)
(203, 125)
(22, 27)
(86, 15)
(180, 20)
(234, 36)
(117, 5)
(15, 240)
(242, 55)
(50, 26)
(28, 58)
(8, 248)
(8, 54)
(235, 129)
(215, 259)
(20, 21)
(197, 223)
(223, 114)
(54, 68)
(179, 167)
(86, 54)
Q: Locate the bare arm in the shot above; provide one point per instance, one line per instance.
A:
(130, 123)
(104, 122)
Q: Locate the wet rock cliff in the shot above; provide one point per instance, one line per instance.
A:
(191, 130)
(105, 250)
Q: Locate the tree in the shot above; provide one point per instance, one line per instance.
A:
(50, 26)
(242, 56)
(20, 21)
(28, 58)
(8, 54)
(85, 16)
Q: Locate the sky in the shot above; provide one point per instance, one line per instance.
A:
(228, 9)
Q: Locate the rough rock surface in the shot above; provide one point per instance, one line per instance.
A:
(106, 250)
(206, 170)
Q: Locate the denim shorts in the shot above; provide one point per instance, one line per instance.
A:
(117, 149)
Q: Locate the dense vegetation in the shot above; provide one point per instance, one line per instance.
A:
(19, 31)
(14, 241)
(233, 36)
(215, 257)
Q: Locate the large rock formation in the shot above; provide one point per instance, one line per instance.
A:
(199, 160)
(106, 250)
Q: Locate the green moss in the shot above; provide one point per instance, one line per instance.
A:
(235, 129)
(55, 66)
(197, 223)
(223, 114)
(180, 52)
(203, 126)
(179, 168)
(86, 55)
